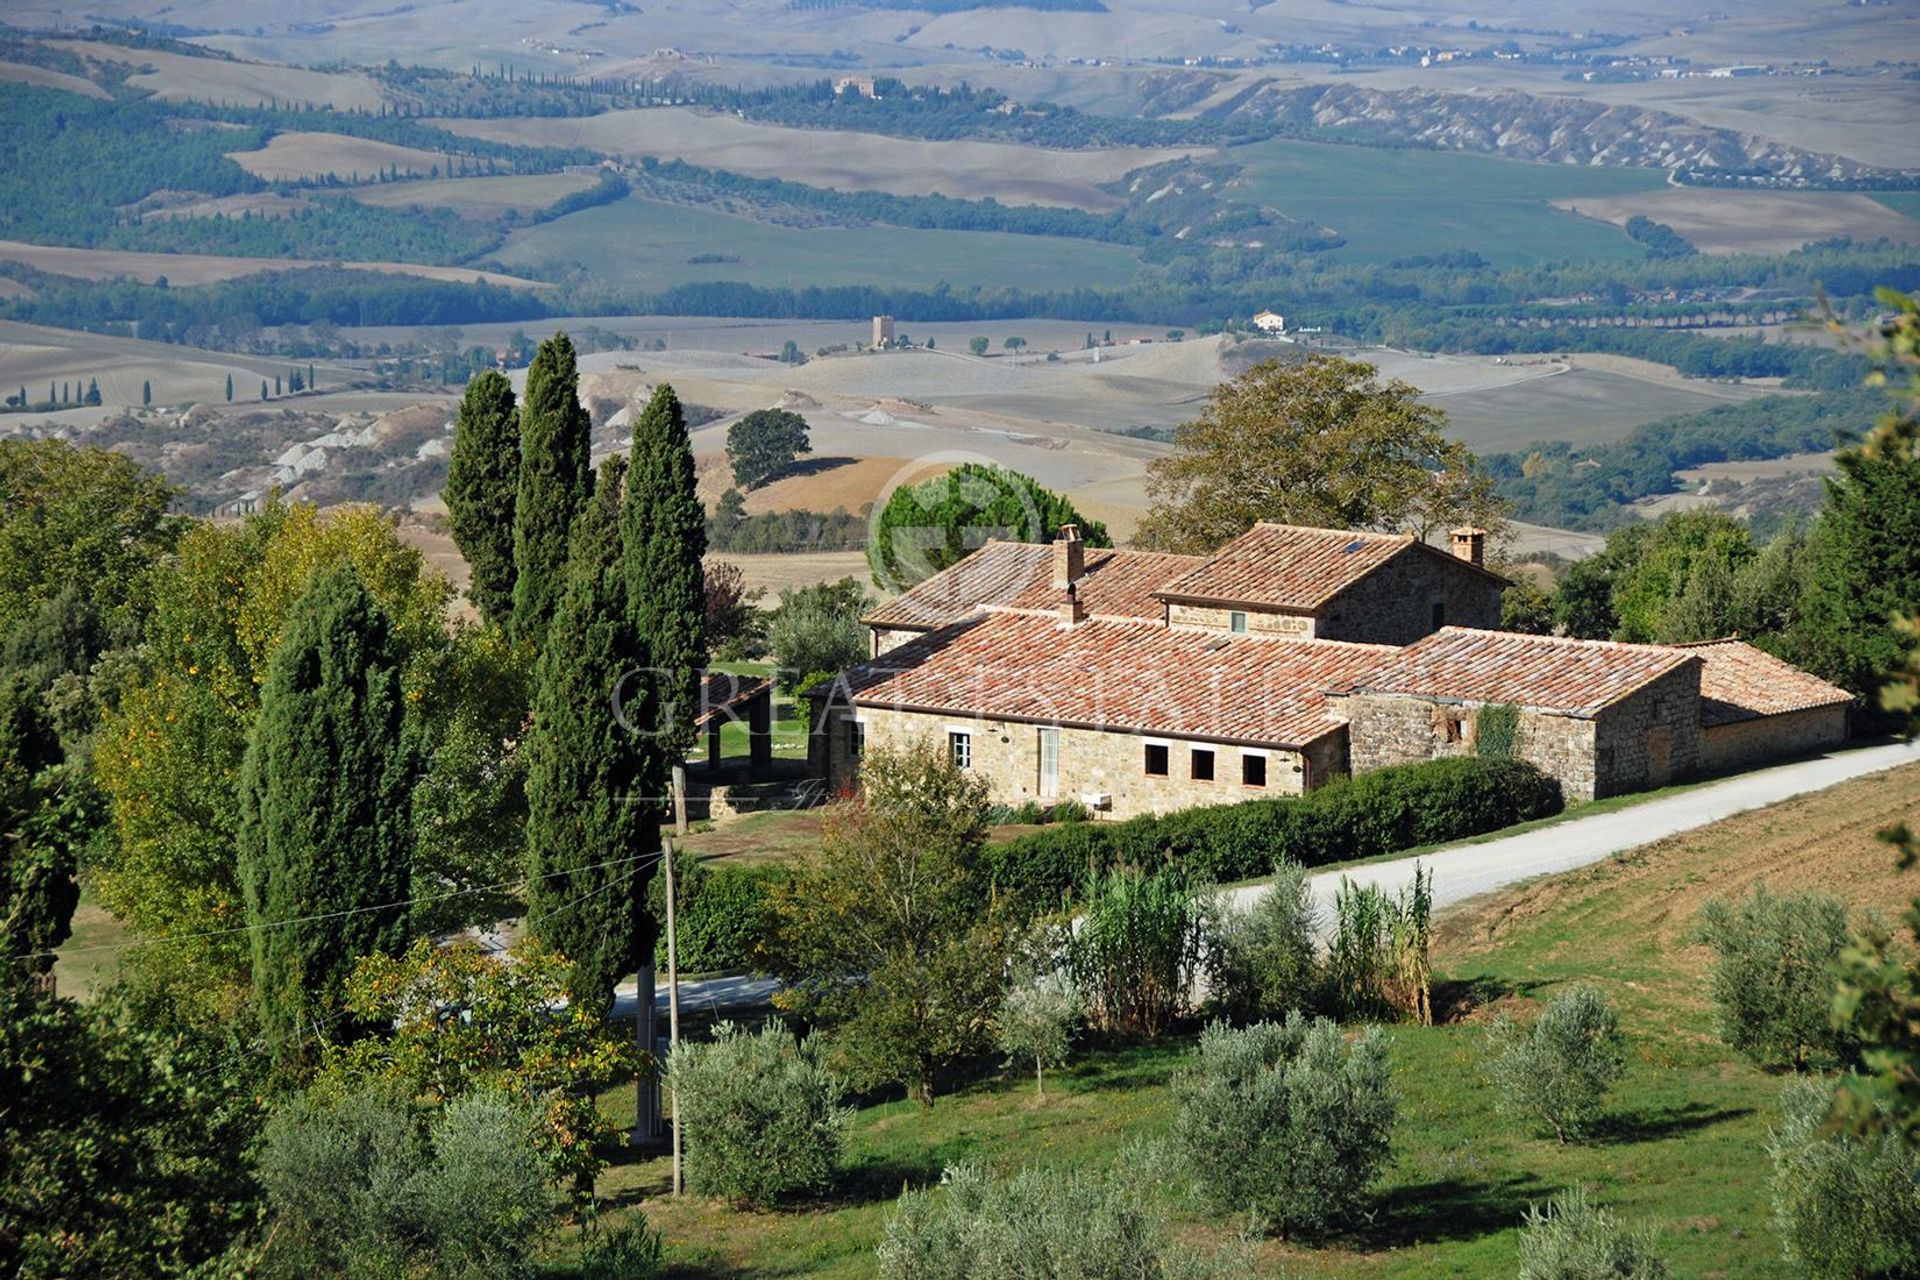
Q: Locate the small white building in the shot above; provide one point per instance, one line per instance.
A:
(1270, 322)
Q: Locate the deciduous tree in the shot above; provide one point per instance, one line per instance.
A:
(763, 444)
(928, 526)
(1323, 442)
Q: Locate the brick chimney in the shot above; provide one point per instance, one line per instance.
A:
(1072, 613)
(1069, 558)
(1470, 544)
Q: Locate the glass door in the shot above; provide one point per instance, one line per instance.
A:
(1049, 763)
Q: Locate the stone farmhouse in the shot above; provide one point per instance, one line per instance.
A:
(1142, 682)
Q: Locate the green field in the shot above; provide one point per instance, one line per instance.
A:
(646, 244)
(1902, 202)
(1393, 203)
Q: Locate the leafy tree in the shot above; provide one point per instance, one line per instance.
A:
(733, 626)
(1675, 582)
(1014, 344)
(79, 519)
(762, 1113)
(463, 1021)
(889, 932)
(1039, 1224)
(592, 780)
(171, 741)
(1524, 607)
(928, 526)
(1845, 1204)
(1576, 1239)
(1285, 1120)
(815, 631)
(125, 1135)
(325, 836)
(978, 346)
(482, 491)
(1773, 973)
(1322, 442)
(1559, 1069)
(1264, 960)
(763, 444)
(556, 481)
(47, 811)
(663, 527)
(1036, 1024)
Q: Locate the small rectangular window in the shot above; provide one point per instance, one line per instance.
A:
(1253, 771)
(1439, 614)
(856, 739)
(1156, 759)
(961, 745)
(1237, 622)
(1202, 765)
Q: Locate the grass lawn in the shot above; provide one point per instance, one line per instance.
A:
(1394, 203)
(1681, 1148)
(648, 244)
(82, 970)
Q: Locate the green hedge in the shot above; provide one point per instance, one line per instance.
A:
(1375, 813)
(723, 914)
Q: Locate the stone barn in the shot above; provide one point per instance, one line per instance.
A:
(1755, 707)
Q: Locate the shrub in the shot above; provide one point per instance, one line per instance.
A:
(761, 1113)
(1559, 1070)
(723, 914)
(1844, 1206)
(1495, 730)
(1069, 811)
(1380, 812)
(1774, 973)
(1037, 1020)
(1285, 1121)
(1136, 951)
(630, 1251)
(1576, 1239)
(1036, 1225)
(817, 629)
(1263, 962)
(1379, 962)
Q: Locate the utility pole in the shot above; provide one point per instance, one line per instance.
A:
(673, 954)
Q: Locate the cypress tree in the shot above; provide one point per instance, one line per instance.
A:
(664, 529)
(146, 393)
(229, 388)
(312, 383)
(276, 384)
(483, 482)
(325, 822)
(586, 771)
(263, 388)
(555, 482)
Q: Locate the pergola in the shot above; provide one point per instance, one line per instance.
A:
(727, 697)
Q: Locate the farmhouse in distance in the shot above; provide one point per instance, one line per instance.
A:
(1141, 682)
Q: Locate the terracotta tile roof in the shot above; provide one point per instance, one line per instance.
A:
(722, 691)
(1120, 675)
(1019, 575)
(1542, 673)
(1740, 682)
(1283, 566)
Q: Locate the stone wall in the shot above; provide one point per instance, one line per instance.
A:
(1260, 622)
(1395, 603)
(1384, 731)
(1092, 762)
(1650, 738)
(884, 638)
(1745, 743)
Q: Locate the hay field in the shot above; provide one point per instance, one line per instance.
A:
(31, 356)
(480, 199)
(178, 77)
(1582, 405)
(1753, 221)
(46, 78)
(828, 158)
(206, 268)
(297, 157)
(647, 244)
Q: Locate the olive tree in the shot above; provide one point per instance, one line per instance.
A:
(1558, 1070)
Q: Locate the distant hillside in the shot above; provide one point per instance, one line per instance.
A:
(1552, 129)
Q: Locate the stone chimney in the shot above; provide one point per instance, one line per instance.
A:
(1470, 544)
(1072, 613)
(1069, 558)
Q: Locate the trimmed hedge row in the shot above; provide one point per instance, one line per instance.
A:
(1375, 813)
(723, 914)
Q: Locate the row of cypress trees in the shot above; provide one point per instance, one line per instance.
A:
(598, 579)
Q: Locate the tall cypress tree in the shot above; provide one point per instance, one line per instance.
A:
(587, 783)
(664, 528)
(325, 824)
(483, 483)
(556, 439)
(229, 388)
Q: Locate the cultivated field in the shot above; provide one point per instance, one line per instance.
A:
(46, 78)
(1584, 405)
(31, 356)
(295, 157)
(176, 77)
(206, 268)
(645, 244)
(1392, 203)
(481, 199)
(849, 161)
(1753, 221)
